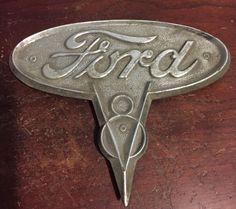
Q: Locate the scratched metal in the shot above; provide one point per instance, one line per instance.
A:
(121, 65)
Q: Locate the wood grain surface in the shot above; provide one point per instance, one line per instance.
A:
(49, 157)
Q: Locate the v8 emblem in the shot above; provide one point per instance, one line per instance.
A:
(120, 65)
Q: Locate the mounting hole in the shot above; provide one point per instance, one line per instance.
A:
(206, 55)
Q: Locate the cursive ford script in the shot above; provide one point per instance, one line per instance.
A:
(103, 48)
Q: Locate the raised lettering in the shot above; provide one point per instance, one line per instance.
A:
(103, 47)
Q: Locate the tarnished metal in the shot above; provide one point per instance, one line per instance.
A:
(121, 65)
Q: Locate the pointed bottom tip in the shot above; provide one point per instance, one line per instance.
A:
(126, 204)
(125, 200)
(124, 179)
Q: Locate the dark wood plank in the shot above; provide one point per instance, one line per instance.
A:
(48, 152)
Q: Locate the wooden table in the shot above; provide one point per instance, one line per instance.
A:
(49, 157)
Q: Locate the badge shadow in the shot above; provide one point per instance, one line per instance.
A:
(96, 137)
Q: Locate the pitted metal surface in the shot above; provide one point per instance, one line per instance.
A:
(121, 65)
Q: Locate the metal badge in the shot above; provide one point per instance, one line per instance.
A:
(121, 66)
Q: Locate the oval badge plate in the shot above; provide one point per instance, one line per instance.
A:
(121, 65)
